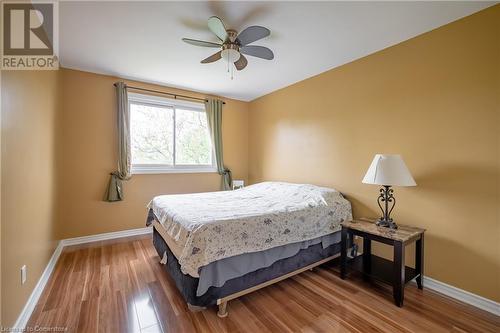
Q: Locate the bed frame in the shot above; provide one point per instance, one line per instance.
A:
(222, 302)
(187, 285)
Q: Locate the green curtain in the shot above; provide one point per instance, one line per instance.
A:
(213, 108)
(115, 189)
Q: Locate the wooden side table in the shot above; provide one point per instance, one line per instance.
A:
(395, 272)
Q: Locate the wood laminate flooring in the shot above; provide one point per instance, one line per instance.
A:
(119, 286)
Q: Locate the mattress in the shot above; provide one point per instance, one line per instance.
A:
(212, 226)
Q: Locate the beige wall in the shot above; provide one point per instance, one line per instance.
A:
(435, 100)
(0, 200)
(89, 154)
(28, 154)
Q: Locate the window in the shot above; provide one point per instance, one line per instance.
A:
(169, 135)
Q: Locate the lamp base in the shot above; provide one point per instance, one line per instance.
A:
(386, 223)
(386, 196)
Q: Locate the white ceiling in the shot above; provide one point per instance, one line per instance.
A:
(142, 40)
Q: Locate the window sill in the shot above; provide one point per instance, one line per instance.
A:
(153, 171)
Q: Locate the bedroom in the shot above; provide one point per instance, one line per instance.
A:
(346, 81)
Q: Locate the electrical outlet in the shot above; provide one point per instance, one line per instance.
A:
(237, 184)
(23, 274)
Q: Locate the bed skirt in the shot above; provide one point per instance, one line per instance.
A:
(188, 285)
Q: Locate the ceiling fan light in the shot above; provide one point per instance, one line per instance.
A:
(230, 55)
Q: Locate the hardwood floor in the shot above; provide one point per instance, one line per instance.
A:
(119, 286)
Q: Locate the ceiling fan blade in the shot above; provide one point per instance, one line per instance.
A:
(217, 27)
(241, 62)
(212, 58)
(252, 34)
(200, 42)
(257, 51)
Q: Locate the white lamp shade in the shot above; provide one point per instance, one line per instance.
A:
(388, 170)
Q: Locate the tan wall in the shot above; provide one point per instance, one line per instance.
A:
(28, 136)
(435, 100)
(0, 200)
(89, 154)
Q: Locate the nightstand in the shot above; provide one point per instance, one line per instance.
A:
(393, 272)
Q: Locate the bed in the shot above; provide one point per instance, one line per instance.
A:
(218, 246)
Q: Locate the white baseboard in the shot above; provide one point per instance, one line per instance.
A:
(463, 295)
(21, 322)
(459, 294)
(106, 236)
(25, 315)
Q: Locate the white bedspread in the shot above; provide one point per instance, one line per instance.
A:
(217, 225)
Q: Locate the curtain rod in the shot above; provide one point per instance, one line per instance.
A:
(165, 93)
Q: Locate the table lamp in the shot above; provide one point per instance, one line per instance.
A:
(388, 170)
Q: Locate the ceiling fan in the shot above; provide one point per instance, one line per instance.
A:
(233, 45)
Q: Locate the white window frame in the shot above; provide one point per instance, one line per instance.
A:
(134, 98)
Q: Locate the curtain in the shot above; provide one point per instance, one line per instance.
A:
(115, 189)
(213, 109)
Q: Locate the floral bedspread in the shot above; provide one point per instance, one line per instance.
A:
(217, 225)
